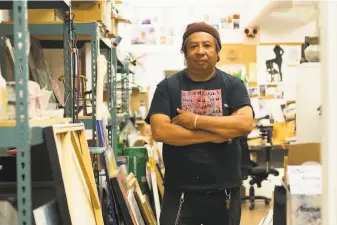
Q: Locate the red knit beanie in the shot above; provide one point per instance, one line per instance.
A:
(202, 27)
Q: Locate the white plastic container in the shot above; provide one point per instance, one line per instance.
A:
(3, 99)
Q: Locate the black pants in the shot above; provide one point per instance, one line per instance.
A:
(201, 208)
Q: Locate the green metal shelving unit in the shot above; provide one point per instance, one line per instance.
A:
(87, 32)
(99, 44)
(22, 135)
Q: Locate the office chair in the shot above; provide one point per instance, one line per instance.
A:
(259, 174)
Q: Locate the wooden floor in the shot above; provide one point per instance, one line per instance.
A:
(255, 216)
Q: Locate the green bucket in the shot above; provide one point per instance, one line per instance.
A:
(137, 164)
(120, 147)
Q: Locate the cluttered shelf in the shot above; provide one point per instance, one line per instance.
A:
(64, 4)
(54, 31)
(36, 122)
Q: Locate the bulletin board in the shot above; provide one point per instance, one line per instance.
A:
(239, 54)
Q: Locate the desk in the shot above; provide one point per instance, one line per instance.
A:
(255, 148)
(276, 158)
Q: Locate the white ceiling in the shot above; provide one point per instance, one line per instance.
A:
(274, 17)
(178, 3)
(285, 16)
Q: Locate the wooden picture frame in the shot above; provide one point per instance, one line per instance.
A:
(141, 200)
(73, 176)
(119, 187)
(111, 196)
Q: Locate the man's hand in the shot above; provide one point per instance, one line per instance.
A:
(184, 119)
(219, 139)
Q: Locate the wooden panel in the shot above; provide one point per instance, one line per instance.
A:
(139, 98)
(233, 54)
(114, 27)
(76, 193)
(85, 164)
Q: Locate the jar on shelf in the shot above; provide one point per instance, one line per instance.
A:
(312, 52)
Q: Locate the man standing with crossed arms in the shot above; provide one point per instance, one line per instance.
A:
(199, 114)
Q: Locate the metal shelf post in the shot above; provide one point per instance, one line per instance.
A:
(123, 92)
(114, 99)
(94, 54)
(111, 57)
(68, 78)
(127, 92)
(21, 48)
(108, 55)
(2, 54)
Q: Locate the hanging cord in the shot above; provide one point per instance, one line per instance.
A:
(68, 19)
(76, 77)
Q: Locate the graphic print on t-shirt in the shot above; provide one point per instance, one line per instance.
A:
(202, 102)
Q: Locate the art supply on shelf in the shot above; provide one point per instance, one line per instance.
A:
(3, 99)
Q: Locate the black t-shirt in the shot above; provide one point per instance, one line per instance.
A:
(206, 166)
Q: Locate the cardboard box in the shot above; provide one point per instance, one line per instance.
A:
(305, 210)
(139, 101)
(301, 153)
(304, 197)
(40, 16)
(91, 11)
(302, 208)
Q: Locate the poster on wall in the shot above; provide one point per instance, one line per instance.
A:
(235, 70)
(273, 60)
(253, 92)
(226, 22)
(262, 90)
(236, 21)
(144, 35)
(274, 91)
(252, 78)
(167, 35)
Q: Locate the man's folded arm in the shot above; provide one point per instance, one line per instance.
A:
(165, 131)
